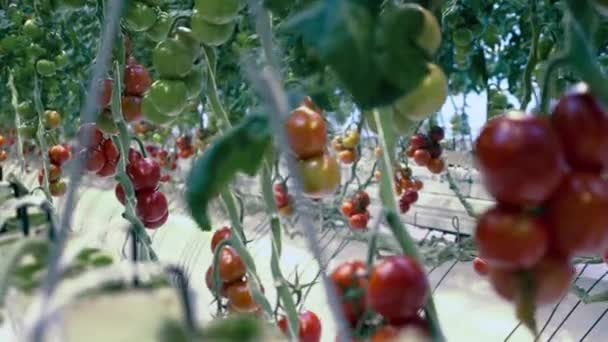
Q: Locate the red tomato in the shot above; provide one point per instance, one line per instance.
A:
(95, 160)
(151, 205)
(348, 208)
(436, 165)
(209, 282)
(578, 216)
(306, 133)
(410, 196)
(108, 170)
(582, 122)
(110, 151)
(510, 238)
(351, 277)
(551, 278)
(436, 134)
(281, 199)
(359, 221)
(362, 200)
(106, 93)
(2, 140)
(137, 79)
(309, 327)
(134, 156)
(279, 188)
(131, 108)
(184, 142)
(219, 236)
(157, 223)
(418, 141)
(480, 266)
(520, 158)
(320, 176)
(58, 155)
(90, 130)
(397, 289)
(120, 194)
(144, 174)
(231, 266)
(422, 157)
(240, 298)
(54, 174)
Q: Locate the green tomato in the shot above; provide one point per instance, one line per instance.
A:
(106, 123)
(491, 36)
(218, 11)
(462, 37)
(194, 82)
(209, 33)
(26, 110)
(427, 98)
(28, 131)
(62, 60)
(160, 30)
(46, 68)
(35, 51)
(140, 17)
(545, 44)
(172, 59)
(153, 115)
(157, 138)
(32, 30)
(498, 100)
(185, 35)
(11, 43)
(168, 96)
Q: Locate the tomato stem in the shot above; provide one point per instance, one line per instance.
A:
(41, 139)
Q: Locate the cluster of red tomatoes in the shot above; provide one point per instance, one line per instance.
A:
(356, 211)
(404, 181)
(152, 206)
(307, 138)
(164, 159)
(185, 148)
(409, 197)
(345, 146)
(426, 149)
(101, 154)
(283, 199)
(233, 276)
(136, 81)
(396, 289)
(546, 174)
(58, 155)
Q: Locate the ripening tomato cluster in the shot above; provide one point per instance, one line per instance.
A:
(346, 146)
(283, 199)
(396, 289)
(404, 181)
(58, 155)
(152, 206)
(309, 326)
(356, 211)
(546, 175)
(165, 159)
(307, 138)
(136, 82)
(426, 149)
(3, 152)
(185, 148)
(233, 276)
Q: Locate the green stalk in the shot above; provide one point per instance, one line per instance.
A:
(407, 243)
(15, 104)
(46, 165)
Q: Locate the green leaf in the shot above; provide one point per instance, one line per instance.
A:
(242, 148)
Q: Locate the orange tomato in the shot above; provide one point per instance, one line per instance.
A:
(306, 133)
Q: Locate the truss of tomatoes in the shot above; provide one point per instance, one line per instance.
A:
(345, 146)
(58, 155)
(356, 211)
(546, 174)
(307, 138)
(233, 276)
(384, 299)
(425, 149)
